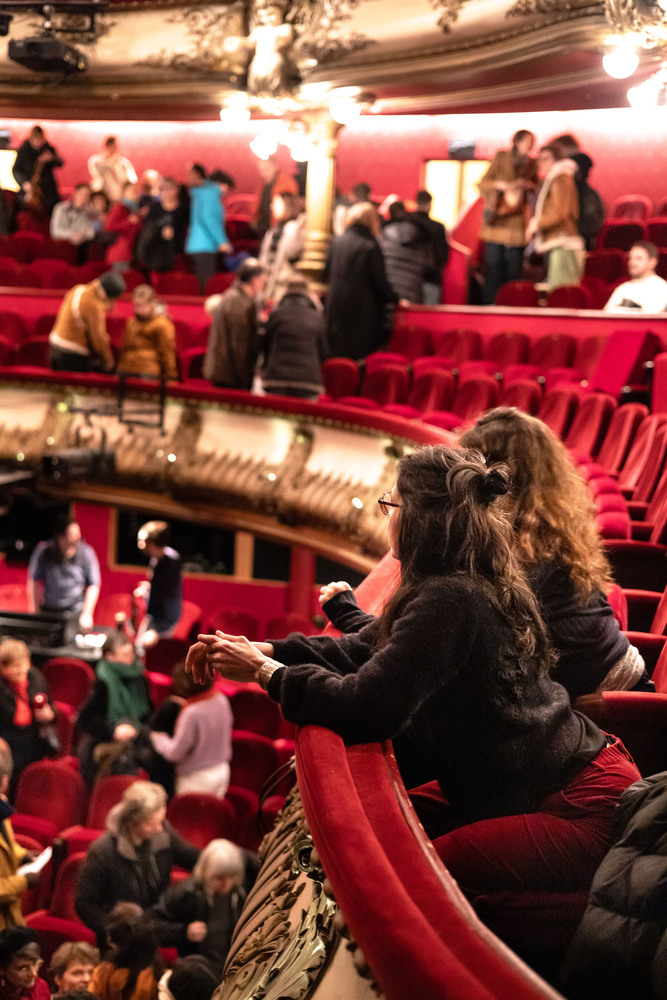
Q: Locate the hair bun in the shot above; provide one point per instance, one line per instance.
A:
(493, 484)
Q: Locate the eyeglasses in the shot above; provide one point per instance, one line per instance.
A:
(385, 504)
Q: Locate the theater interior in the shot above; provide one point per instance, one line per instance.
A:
(271, 497)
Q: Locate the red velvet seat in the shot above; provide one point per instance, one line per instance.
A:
(380, 359)
(430, 390)
(340, 377)
(569, 297)
(630, 206)
(658, 383)
(586, 357)
(50, 796)
(44, 325)
(254, 760)
(165, 654)
(384, 384)
(13, 597)
(70, 680)
(177, 283)
(524, 393)
(34, 352)
(244, 800)
(255, 712)
(656, 228)
(7, 351)
(23, 246)
(615, 448)
(598, 291)
(12, 327)
(621, 235)
(84, 273)
(60, 923)
(590, 423)
(200, 818)
(189, 623)
(639, 452)
(623, 360)
(218, 283)
(638, 718)
(48, 268)
(523, 294)
(56, 249)
(552, 350)
(458, 345)
(65, 725)
(21, 276)
(132, 278)
(292, 621)
(558, 408)
(108, 607)
(191, 363)
(232, 621)
(473, 397)
(409, 338)
(609, 264)
(651, 469)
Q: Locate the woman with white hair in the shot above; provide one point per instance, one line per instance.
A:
(132, 861)
(198, 915)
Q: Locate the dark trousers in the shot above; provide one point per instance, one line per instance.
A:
(205, 265)
(501, 264)
(68, 361)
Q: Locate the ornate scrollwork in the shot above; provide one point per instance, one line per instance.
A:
(525, 8)
(205, 29)
(449, 12)
(637, 16)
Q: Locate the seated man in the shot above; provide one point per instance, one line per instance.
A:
(646, 291)
(79, 339)
(149, 343)
(71, 219)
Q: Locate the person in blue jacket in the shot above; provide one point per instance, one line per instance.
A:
(206, 236)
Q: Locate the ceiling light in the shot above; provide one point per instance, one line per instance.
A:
(343, 109)
(264, 145)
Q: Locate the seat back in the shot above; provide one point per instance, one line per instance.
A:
(254, 759)
(623, 426)
(568, 297)
(340, 377)
(233, 622)
(459, 345)
(652, 465)
(218, 283)
(70, 680)
(432, 390)
(659, 675)
(12, 327)
(107, 792)
(630, 206)
(638, 718)
(623, 360)
(559, 407)
(590, 423)
(657, 231)
(508, 348)
(621, 235)
(52, 791)
(476, 395)
(518, 293)
(33, 351)
(407, 337)
(200, 818)
(255, 712)
(524, 393)
(386, 384)
(64, 888)
(7, 351)
(608, 264)
(552, 350)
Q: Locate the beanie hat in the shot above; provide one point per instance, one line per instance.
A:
(13, 939)
(113, 284)
(192, 978)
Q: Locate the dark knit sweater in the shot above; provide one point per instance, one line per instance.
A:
(499, 736)
(587, 637)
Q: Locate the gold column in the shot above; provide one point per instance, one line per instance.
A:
(320, 188)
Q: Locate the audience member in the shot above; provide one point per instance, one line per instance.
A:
(283, 244)
(134, 964)
(197, 915)
(439, 248)
(232, 348)
(505, 187)
(295, 343)
(190, 978)
(359, 291)
(64, 575)
(33, 169)
(163, 590)
(20, 963)
(132, 861)
(124, 219)
(149, 342)
(206, 233)
(71, 219)
(149, 188)
(110, 171)
(274, 181)
(26, 713)
(526, 788)
(79, 341)
(554, 224)
(99, 209)
(118, 704)
(12, 855)
(164, 228)
(361, 193)
(646, 291)
(72, 966)
(406, 250)
(591, 206)
(201, 747)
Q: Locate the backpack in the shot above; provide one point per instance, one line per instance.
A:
(591, 213)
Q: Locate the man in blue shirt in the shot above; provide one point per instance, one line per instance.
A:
(64, 575)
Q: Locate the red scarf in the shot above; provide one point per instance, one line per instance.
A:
(23, 712)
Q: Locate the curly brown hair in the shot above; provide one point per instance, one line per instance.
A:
(552, 509)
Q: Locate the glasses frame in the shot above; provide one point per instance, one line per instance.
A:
(385, 504)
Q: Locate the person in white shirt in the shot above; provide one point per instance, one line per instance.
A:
(645, 291)
(109, 171)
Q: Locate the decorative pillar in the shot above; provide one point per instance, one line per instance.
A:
(301, 581)
(320, 190)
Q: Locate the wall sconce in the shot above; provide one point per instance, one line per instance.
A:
(235, 110)
(621, 60)
(347, 103)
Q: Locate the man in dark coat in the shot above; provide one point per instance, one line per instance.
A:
(232, 349)
(34, 155)
(295, 344)
(439, 246)
(359, 291)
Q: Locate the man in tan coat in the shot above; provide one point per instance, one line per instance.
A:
(149, 342)
(79, 341)
(505, 185)
(232, 349)
(12, 885)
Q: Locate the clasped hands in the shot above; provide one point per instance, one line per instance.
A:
(233, 656)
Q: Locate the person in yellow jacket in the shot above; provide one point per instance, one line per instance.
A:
(12, 885)
(79, 341)
(149, 343)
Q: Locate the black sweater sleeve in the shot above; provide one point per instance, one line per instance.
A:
(344, 612)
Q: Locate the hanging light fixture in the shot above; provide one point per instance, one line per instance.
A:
(621, 60)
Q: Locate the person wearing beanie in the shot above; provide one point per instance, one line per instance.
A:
(295, 343)
(20, 962)
(190, 978)
(79, 341)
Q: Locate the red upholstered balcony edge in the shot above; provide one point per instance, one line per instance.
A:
(417, 932)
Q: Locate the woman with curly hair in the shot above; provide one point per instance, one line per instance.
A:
(461, 658)
(553, 516)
